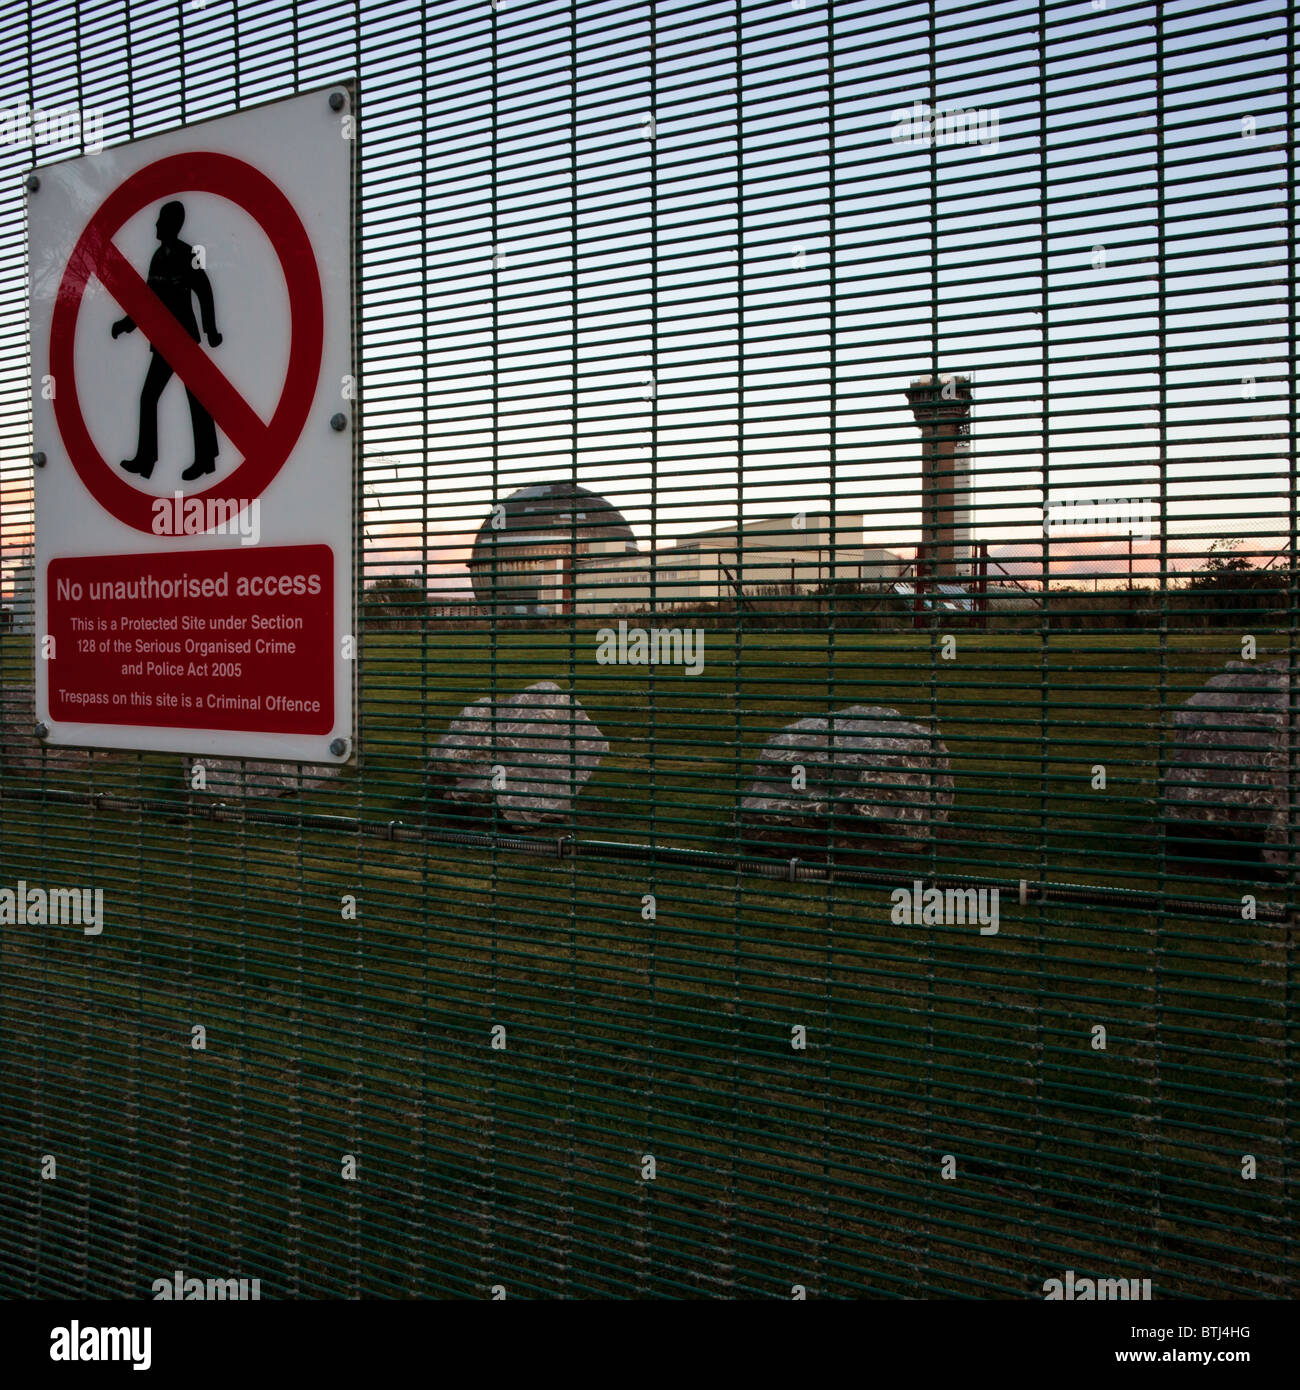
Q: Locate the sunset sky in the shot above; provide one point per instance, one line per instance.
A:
(726, 308)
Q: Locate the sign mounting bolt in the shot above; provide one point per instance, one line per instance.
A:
(41, 731)
(337, 100)
(338, 747)
(33, 182)
(38, 458)
(338, 422)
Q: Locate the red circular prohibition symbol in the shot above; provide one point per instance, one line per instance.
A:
(264, 446)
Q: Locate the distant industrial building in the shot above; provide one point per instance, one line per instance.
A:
(21, 603)
(942, 408)
(557, 548)
(789, 554)
(527, 553)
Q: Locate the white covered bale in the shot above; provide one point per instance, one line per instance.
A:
(529, 755)
(866, 764)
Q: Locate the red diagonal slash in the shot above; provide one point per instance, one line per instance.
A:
(264, 445)
(181, 353)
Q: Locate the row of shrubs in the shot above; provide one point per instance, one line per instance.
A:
(1227, 592)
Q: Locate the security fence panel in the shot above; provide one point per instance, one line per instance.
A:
(823, 814)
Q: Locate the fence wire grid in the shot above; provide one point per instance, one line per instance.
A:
(824, 819)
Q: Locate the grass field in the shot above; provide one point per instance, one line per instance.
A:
(625, 1037)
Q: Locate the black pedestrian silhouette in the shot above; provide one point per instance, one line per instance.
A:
(174, 278)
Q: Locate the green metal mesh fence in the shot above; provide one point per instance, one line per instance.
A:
(820, 464)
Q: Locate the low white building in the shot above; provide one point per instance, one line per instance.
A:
(778, 555)
(22, 603)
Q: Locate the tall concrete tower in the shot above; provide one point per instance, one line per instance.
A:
(942, 409)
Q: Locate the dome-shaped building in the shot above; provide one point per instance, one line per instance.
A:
(528, 550)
